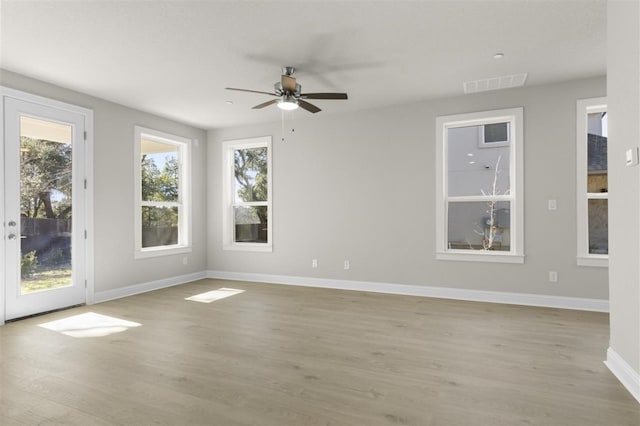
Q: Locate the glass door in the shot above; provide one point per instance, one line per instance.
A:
(44, 208)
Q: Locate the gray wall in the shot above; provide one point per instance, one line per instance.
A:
(115, 266)
(361, 187)
(623, 87)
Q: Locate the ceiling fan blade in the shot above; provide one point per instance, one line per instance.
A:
(288, 83)
(251, 91)
(309, 107)
(323, 96)
(262, 105)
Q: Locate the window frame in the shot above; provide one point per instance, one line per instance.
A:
(228, 203)
(584, 107)
(516, 171)
(184, 194)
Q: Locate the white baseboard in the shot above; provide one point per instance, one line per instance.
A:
(597, 305)
(623, 372)
(103, 296)
(582, 304)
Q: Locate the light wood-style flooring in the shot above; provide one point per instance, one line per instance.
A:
(284, 355)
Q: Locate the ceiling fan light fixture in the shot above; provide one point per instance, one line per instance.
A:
(288, 103)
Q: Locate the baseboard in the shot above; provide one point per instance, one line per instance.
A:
(624, 373)
(582, 304)
(117, 293)
(575, 303)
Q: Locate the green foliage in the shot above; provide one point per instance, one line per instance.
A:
(250, 167)
(250, 170)
(160, 185)
(45, 168)
(28, 264)
(56, 258)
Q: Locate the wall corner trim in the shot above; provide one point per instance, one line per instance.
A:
(104, 296)
(581, 304)
(623, 372)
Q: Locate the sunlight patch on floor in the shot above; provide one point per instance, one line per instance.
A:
(212, 296)
(89, 324)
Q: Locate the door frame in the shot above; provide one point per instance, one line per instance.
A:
(6, 92)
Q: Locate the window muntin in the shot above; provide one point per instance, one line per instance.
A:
(592, 182)
(479, 182)
(247, 194)
(162, 195)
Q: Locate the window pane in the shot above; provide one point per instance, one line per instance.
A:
(598, 227)
(250, 224)
(472, 170)
(45, 204)
(496, 133)
(479, 226)
(597, 152)
(160, 174)
(250, 171)
(159, 226)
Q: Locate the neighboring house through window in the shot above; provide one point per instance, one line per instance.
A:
(479, 186)
(163, 208)
(592, 182)
(247, 194)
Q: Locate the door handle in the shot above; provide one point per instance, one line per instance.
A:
(12, 237)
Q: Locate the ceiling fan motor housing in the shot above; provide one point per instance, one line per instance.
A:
(279, 90)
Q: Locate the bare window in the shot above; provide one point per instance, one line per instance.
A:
(479, 186)
(247, 193)
(592, 182)
(162, 210)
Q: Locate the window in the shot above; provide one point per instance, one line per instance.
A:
(494, 134)
(247, 194)
(592, 184)
(479, 171)
(162, 193)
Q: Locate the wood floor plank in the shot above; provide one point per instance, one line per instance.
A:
(284, 355)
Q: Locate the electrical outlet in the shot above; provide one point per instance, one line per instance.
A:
(314, 263)
(553, 276)
(185, 260)
(347, 265)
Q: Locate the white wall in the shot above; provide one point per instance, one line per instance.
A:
(361, 187)
(115, 267)
(623, 88)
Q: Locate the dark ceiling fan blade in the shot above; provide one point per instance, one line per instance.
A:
(288, 83)
(309, 107)
(251, 91)
(262, 105)
(324, 96)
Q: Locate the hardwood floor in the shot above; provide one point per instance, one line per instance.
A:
(283, 355)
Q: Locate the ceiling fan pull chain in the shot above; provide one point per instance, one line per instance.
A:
(282, 131)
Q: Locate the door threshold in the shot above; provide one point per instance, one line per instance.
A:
(39, 314)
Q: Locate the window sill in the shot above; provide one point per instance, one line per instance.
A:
(600, 261)
(161, 251)
(480, 256)
(248, 247)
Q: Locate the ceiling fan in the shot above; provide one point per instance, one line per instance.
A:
(289, 95)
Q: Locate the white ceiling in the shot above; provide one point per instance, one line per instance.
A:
(174, 58)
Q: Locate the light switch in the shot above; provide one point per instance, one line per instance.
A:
(552, 205)
(631, 157)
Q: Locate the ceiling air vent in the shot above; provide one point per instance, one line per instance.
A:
(495, 83)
